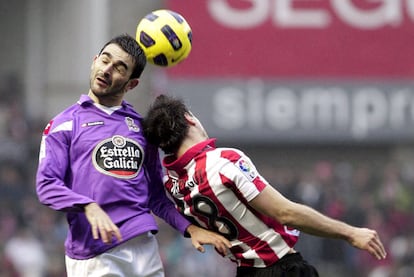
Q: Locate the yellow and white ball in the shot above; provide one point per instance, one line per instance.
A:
(165, 36)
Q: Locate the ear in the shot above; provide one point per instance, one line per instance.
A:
(93, 61)
(190, 118)
(132, 83)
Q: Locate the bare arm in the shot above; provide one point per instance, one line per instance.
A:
(310, 221)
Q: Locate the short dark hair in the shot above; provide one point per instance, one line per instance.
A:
(165, 124)
(131, 46)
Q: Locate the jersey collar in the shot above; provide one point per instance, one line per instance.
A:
(85, 99)
(170, 162)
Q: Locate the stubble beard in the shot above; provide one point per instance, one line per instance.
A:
(108, 92)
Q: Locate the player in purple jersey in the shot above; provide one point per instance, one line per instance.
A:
(220, 189)
(96, 166)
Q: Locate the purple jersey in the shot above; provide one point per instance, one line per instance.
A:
(88, 155)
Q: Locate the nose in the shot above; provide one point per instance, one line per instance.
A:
(107, 70)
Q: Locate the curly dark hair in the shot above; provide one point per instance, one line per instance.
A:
(165, 124)
(131, 46)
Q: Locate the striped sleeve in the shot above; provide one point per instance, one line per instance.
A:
(243, 173)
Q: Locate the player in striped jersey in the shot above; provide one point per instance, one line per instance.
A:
(220, 189)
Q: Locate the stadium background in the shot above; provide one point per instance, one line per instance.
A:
(319, 93)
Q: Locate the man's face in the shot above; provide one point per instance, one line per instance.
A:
(110, 72)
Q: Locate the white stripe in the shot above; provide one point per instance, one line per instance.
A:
(237, 209)
(65, 126)
(190, 167)
(42, 151)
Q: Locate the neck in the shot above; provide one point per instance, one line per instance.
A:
(107, 100)
(192, 139)
(184, 147)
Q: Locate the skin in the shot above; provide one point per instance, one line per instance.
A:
(296, 215)
(110, 76)
(109, 82)
(312, 222)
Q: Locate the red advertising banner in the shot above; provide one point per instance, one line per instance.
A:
(304, 39)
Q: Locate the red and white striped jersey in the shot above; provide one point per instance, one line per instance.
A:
(212, 187)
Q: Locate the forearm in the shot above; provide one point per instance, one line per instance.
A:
(165, 209)
(300, 216)
(310, 221)
(59, 197)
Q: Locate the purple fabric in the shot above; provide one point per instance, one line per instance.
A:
(87, 155)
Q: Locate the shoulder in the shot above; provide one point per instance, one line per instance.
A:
(238, 160)
(62, 121)
(129, 109)
(231, 154)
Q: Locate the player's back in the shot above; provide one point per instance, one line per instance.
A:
(214, 188)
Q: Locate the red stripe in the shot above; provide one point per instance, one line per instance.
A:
(47, 128)
(265, 252)
(262, 248)
(260, 185)
(122, 172)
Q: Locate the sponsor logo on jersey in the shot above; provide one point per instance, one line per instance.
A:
(174, 187)
(247, 168)
(118, 157)
(95, 123)
(177, 187)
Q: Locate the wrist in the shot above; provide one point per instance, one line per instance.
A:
(189, 231)
(87, 206)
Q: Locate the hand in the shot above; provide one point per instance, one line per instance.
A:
(367, 239)
(200, 236)
(101, 223)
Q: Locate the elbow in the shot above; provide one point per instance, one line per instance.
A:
(42, 197)
(286, 216)
(44, 192)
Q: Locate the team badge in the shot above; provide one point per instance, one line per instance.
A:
(131, 124)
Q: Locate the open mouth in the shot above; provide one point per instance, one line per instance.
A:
(102, 81)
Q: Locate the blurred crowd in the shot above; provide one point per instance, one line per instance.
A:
(378, 196)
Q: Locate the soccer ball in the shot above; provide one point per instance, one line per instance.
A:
(165, 36)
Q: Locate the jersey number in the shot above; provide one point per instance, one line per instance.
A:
(206, 207)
